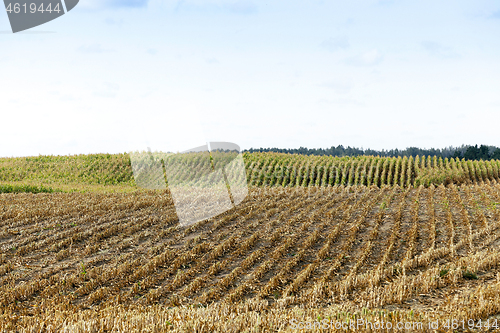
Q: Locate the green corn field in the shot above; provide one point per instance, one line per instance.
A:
(114, 171)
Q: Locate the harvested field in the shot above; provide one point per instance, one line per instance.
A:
(85, 262)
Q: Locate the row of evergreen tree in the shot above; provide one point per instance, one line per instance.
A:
(468, 152)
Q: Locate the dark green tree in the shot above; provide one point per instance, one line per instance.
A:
(472, 153)
(496, 154)
(484, 153)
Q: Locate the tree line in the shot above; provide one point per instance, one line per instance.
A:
(468, 152)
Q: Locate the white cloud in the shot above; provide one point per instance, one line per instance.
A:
(335, 43)
(244, 7)
(436, 49)
(370, 58)
(212, 61)
(100, 4)
(109, 91)
(341, 101)
(241, 7)
(495, 15)
(337, 86)
(112, 21)
(92, 48)
(104, 94)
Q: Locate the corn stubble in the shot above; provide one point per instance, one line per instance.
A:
(119, 262)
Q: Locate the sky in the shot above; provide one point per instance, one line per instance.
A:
(113, 76)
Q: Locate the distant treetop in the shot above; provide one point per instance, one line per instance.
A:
(468, 152)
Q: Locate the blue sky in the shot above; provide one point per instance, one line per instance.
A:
(116, 75)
